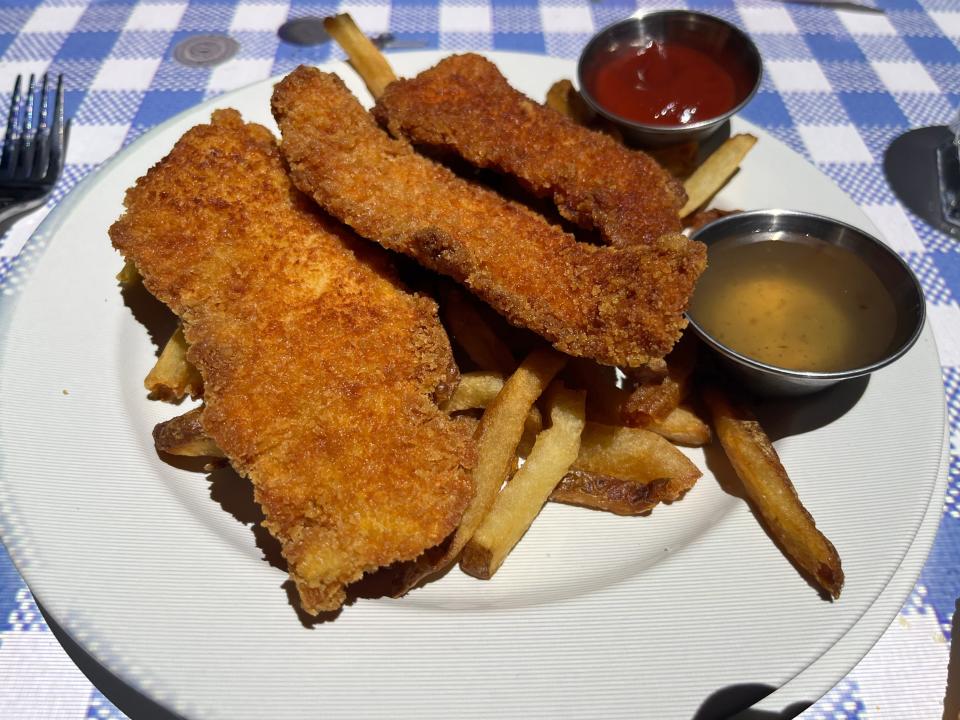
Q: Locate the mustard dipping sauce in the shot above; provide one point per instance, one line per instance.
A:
(795, 302)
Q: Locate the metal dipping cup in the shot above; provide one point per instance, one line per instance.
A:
(706, 33)
(893, 272)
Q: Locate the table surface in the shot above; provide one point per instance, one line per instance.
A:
(839, 86)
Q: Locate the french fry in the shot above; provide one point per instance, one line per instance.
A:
(605, 402)
(184, 436)
(564, 98)
(771, 492)
(649, 401)
(657, 392)
(519, 503)
(628, 456)
(704, 217)
(128, 275)
(610, 494)
(497, 438)
(366, 59)
(472, 332)
(680, 159)
(635, 456)
(172, 377)
(655, 400)
(715, 171)
(683, 427)
(476, 390)
(604, 396)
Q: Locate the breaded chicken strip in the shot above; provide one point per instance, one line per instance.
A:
(465, 105)
(320, 371)
(620, 306)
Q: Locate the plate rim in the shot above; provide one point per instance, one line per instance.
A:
(904, 575)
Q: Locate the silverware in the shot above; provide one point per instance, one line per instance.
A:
(841, 5)
(310, 31)
(948, 173)
(388, 41)
(33, 149)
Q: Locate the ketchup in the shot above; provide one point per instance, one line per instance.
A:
(666, 83)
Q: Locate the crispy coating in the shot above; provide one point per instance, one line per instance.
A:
(320, 370)
(465, 105)
(620, 306)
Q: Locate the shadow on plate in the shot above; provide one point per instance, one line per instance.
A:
(130, 701)
(377, 585)
(710, 144)
(156, 317)
(235, 495)
(735, 701)
(783, 417)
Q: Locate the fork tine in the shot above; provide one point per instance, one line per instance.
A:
(28, 110)
(57, 144)
(42, 124)
(8, 158)
(27, 131)
(41, 144)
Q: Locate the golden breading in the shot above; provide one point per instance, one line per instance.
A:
(466, 105)
(320, 370)
(620, 306)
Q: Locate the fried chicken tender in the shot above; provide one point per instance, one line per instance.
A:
(619, 306)
(465, 105)
(320, 370)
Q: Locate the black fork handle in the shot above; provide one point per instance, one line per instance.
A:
(13, 210)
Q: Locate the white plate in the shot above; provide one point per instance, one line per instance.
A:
(593, 614)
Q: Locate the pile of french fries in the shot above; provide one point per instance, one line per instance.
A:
(562, 429)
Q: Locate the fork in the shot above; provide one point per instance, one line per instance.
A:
(33, 149)
(841, 5)
(389, 41)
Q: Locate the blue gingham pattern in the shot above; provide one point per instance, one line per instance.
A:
(839, 87)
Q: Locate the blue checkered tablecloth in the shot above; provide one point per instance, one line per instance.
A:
(839, 86)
